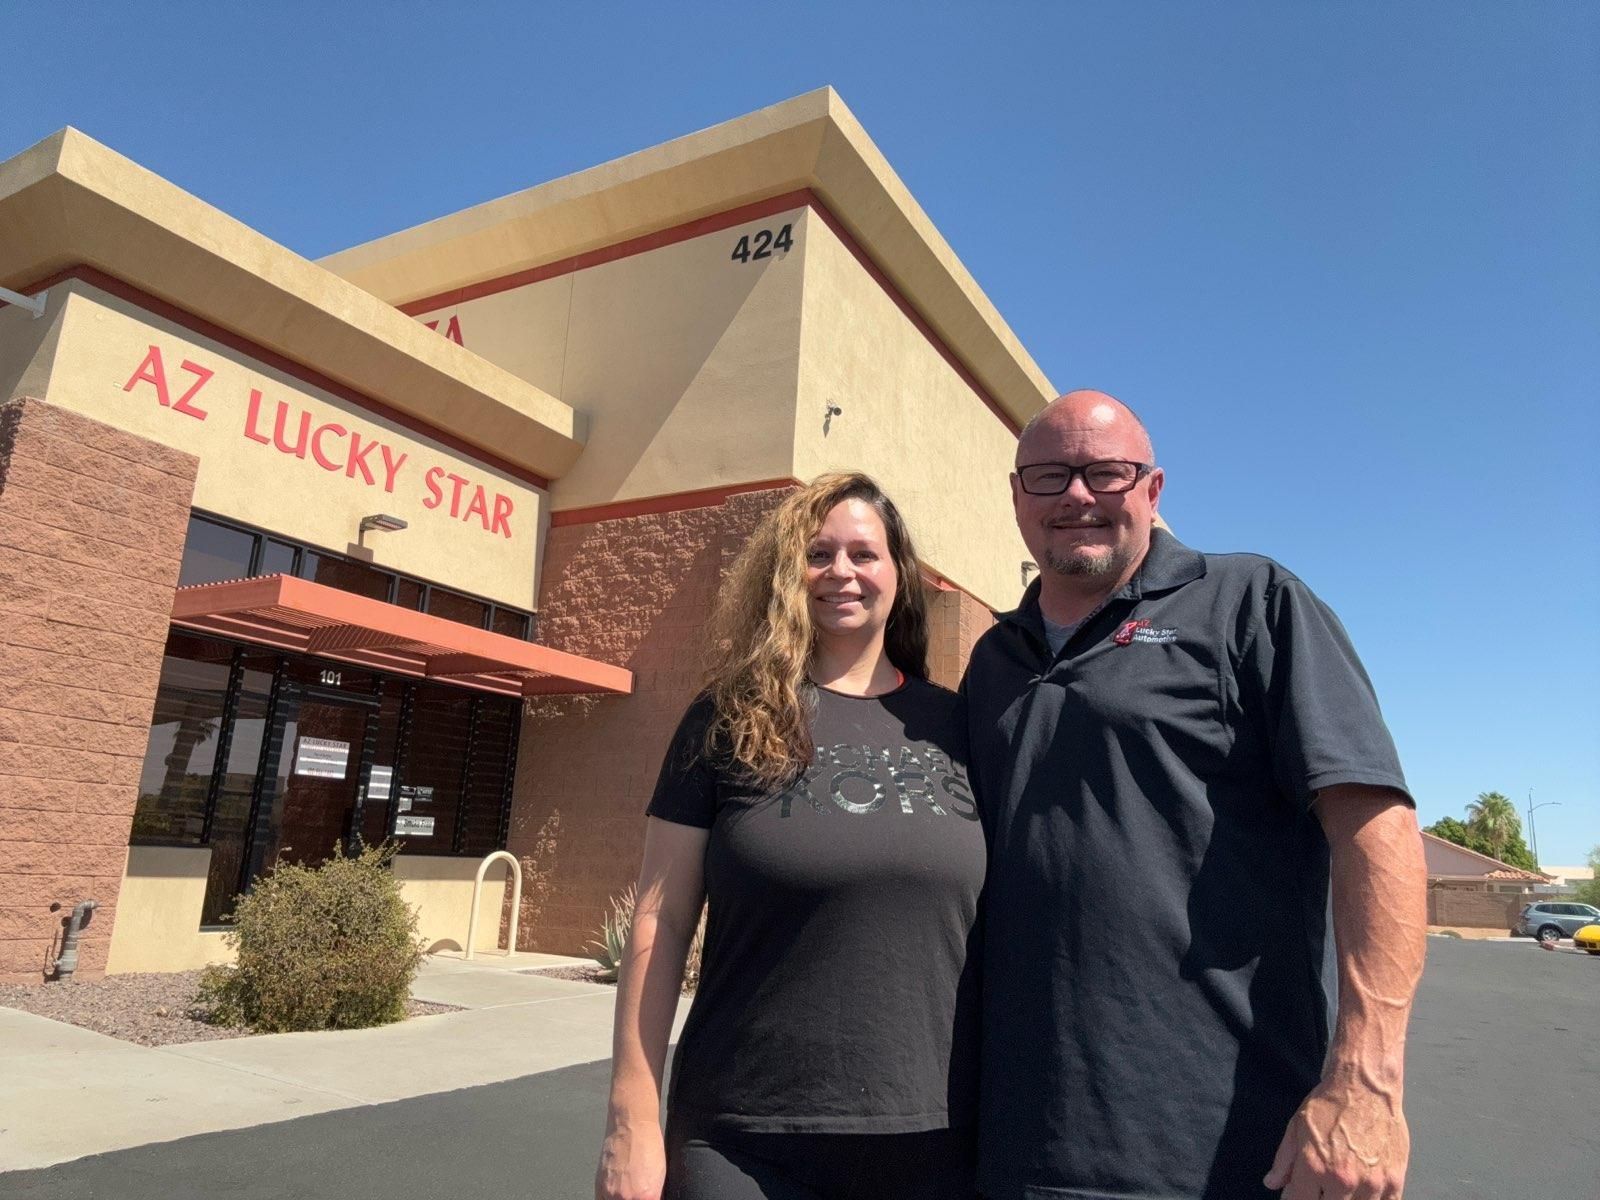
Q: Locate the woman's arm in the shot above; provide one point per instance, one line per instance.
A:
(633, 1163)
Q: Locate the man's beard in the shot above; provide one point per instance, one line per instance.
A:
(1087, 566)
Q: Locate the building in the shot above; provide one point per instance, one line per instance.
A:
(1565, 881)
(1473, 890)
(418, 541)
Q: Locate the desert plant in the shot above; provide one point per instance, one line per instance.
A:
(691, 966)
(608, 947)
(327, 947)
(613, 939)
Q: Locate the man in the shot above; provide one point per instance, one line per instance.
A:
(1180, 758)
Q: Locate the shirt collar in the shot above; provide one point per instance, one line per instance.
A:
(1168, 564)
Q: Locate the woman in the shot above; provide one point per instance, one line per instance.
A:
(810, 795)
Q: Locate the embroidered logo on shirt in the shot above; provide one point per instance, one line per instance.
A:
(1141, 631)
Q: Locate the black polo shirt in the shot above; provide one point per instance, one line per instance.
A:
(1158, 973)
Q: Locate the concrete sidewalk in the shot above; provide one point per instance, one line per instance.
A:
(66, 1092)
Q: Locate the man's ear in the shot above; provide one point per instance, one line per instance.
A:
(1158, 480)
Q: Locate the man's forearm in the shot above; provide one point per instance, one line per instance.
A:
(1380, 930)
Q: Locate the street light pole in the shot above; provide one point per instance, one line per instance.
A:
(1533, 832)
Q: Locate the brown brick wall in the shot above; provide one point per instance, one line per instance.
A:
(1472, 908)
(92, 525)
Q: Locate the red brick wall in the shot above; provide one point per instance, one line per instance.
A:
(92, 526)
(955, 623)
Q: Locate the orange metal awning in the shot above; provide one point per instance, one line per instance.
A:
(311, 618)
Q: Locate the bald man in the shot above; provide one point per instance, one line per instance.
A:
(1181, 761)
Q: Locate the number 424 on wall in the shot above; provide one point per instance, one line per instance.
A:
(764, 243)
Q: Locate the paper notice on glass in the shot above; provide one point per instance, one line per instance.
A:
(321, 758)
(378, 782)
(408, 826)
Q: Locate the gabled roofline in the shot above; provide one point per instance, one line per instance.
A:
(812, 142)
(69, 203)
(1498, 864)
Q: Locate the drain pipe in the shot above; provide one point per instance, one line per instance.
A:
(67, 960)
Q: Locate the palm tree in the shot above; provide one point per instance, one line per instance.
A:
(1494, 818)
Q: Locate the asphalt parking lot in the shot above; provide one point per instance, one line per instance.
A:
(1504, 1075)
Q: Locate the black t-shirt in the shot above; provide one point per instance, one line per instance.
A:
(1157, 968)
(838, 988)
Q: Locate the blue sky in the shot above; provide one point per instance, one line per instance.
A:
(1343, 258)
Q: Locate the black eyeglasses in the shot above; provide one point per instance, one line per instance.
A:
(1102, 478)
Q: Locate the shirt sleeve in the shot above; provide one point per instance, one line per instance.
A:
(1322, 720)
(686, 789)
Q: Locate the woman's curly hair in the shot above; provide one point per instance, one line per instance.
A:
(762, 637)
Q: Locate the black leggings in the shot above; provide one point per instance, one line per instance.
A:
(711, 1165)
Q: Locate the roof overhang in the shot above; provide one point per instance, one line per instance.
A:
(812, 142)
(69, 202)
(311, 618)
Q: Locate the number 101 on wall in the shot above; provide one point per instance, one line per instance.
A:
(763, 244)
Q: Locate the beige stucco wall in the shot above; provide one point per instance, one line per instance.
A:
(105, 344)
(440, 889)
(27, 349)
(683, 361)
(158, 912)
(908, 419)
(163, 888)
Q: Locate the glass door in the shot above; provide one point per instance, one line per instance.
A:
(316, 797)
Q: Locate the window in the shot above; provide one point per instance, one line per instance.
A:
(218, 551)
(176, 780)
(510, 623)
(232, 811)
(214, 553)
(277, 558)
(453, 606)
(430, 784)
(345, 574)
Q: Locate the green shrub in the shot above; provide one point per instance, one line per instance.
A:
(327, 947)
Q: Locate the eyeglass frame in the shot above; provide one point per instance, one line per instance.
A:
(1141, 470)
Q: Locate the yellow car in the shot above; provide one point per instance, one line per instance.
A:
(1588, 938)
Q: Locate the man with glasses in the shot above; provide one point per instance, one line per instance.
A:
(1180, 761)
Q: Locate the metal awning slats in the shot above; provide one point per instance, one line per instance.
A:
(311, 618)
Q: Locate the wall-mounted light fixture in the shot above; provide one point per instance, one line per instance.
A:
(1029, 570)
(382, 522)
(828, 414)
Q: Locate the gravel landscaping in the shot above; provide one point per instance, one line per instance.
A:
(151, 1010)
(576, 974)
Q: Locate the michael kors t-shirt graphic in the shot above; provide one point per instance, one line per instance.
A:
(835, 995)
(854, 778)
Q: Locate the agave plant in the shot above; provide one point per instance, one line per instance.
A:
(613, 938)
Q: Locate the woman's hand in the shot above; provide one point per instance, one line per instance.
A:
(633, 1163)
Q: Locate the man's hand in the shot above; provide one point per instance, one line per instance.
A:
(1349, 1141)
(633, 1164)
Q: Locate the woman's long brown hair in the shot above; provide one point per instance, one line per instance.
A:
(762, 637)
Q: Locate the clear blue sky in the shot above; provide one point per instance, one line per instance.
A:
(1344, 258)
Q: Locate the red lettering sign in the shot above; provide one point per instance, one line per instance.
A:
(452, 329)
(152, 371)
(337, 449)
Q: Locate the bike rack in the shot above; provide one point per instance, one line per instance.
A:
(516, 903)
